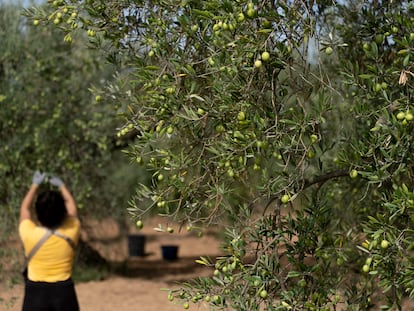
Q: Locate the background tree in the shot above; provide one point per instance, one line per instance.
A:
(54, 120)
(288, 122)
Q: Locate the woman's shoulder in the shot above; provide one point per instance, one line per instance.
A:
(27, 224)
(28, 228)
(71, 222)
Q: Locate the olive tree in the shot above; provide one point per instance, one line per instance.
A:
(286, 122)
(53, 119)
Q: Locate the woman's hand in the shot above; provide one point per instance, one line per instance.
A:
(56, 181)
(38, 178)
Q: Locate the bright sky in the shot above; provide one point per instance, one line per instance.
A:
(26, 2)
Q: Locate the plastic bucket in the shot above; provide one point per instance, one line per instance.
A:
(136, 245)
(169, 252)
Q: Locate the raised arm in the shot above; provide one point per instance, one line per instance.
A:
(67, 196)
(69, 201)
(30, 195)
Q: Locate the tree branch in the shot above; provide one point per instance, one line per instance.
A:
(324, 178)
(317, 180)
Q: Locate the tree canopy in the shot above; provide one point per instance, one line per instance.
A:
(53, 120)
(288, 122)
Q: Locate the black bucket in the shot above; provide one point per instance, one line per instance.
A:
(169, 252)
(136, 245)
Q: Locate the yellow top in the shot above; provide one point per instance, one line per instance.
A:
(54, 260)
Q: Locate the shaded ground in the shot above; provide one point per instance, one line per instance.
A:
(138, 281)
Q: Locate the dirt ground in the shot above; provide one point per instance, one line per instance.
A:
(140, 286)
(143, 281)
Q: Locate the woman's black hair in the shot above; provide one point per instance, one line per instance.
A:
(50, 208)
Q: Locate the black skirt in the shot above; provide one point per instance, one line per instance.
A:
(44, 296)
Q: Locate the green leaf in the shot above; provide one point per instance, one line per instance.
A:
(365, 76)
(294, 274)
(152, 67)
(205, 14)
(196, 96)
(406, 60)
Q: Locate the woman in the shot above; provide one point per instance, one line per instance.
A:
(49, 285)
